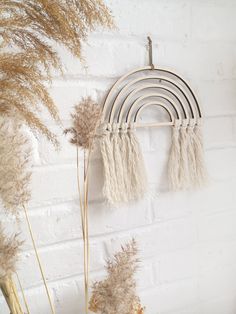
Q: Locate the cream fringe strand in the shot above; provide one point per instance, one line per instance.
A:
(186, 166)
(174, 158)
(124, 170)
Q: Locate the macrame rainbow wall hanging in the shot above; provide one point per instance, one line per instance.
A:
(124, 169)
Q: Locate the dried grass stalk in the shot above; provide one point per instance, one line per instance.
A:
(10, 294)
(117, 293)
(85, 121)
(15, 165)
(9, 249)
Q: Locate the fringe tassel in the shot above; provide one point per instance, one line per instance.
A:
(184, 150)
(124, 147)
(137, 167)
(110, 185)
(186, 167)
(124, 171)
(191, 154)
(201, 171)
(119, 170)
(174, 159)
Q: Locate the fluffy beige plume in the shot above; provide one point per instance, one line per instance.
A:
(27, 23)
(85, 121)
(15, 165)
(22, 89)
(9, 249)
(30, 27)
(117, 293)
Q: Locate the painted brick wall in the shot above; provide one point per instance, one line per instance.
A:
(187, 239)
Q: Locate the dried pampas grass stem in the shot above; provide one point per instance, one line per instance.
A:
(85, 121)
(10, 294)
(38, 260)
(23, 293)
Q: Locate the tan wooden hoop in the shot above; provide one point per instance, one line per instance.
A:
(161, 78)
(119, 82)
(140, 110)
(176, 108)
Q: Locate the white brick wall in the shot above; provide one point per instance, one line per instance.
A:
(187, 239)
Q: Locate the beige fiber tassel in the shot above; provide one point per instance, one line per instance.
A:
(201, 171)
(110, 185)
(184, 164)
(119, 169)
(137, 167)
(174, 158)
(191, 154)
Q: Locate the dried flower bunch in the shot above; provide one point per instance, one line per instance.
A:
(117, 293)
(15, 165)
(9, 249)
(30, 27)
(85, 120)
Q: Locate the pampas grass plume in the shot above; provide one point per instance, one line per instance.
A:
(30, 28)
(117, 293)
(85, 120)
(9, 249)
(15, 165)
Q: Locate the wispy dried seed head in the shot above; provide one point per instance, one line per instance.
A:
(29, 28)
(26, 23)
(15, 165)
(117, 293)
(22, 90)
(9, 249)
(85, 120)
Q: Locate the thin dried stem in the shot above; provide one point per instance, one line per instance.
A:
(85, 121)
(9, 291)
(38, 260)
(86, 242)
(79, 190)
(23, 293)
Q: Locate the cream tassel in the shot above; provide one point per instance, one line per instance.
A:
(184, 164)
(137, 167)
(174, 158)
(124, 142)
(109, 188)
(129, 166)
(201, 171)
(119, 170)
(191, 153)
